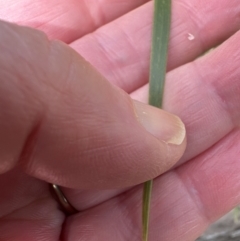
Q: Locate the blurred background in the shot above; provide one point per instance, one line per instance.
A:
(225, 229)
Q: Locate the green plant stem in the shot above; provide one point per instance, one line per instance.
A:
(160, 39)
(147, 190)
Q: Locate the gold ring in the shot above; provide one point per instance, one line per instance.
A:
(62, 200)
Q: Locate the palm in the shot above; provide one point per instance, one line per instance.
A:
(204, 93)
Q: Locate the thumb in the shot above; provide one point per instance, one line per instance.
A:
(62, 122)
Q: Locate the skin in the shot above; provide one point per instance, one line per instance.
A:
(203, 92)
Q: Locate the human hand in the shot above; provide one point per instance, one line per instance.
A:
(204, 93)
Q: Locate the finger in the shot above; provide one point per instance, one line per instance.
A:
(64, 123)
(28, 208)
(205, 94)
(184, 201)
(122, 47)
(66, 20)
(82, 199)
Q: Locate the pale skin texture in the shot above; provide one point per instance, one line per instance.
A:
(40, 126)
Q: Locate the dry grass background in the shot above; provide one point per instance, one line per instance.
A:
(225, 229)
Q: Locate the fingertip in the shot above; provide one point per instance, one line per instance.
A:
(161, 124)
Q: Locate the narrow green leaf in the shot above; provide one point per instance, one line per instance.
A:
(147, 189)
(160, 39)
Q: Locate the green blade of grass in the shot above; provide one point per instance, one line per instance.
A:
(147, 189)
(160, 39)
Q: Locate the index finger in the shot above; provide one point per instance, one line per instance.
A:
(65, 20)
